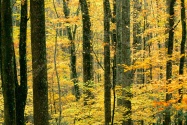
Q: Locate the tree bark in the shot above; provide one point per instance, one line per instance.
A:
(137, 41)
(119, 69)
(73, 57)
(113, 39)
(39, 62)
(21, 90)
(123, 56)
(170, 4)
(107, 80)
(7, 74)
(182, 53)
(87, 49)
(126, 59)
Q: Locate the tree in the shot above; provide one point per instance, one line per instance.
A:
(126, 59)
(124, 56)
(113, 39)
(107, 80)
(170, 4)
(137, 42)
(119, 69)
(39, 62)
(182, 52)
(21, 89)
(73, 58)
(7, 74)
(87, 49)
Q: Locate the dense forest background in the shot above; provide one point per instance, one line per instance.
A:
(93, 62)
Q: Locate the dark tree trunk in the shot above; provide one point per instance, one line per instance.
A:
(169, 54)
(113, 38)
(119, 69)
(39, 62)
(137, 41)
(21, 90)
(87, 49)
(107, 81)
(7, 74)
(182, 52)
(0, 37)
(126, 59)
(73, 57)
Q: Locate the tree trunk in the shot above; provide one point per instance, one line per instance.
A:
(7, 74)
(87, 49)
(119, 69)
(73, 57)
(107, 81)
(123, 56)
(182, 52)
(21, 90)
(137, 41)
(0, 37)
(126, 59)
(170, 40)
(113, 38)
(39, 62)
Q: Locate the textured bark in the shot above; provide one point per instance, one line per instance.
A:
(113, 39)
(73, 57)
(21, 90)
(39, 62)
(170, 4)
(137, 41)
(123, 56)
(182, 52)
(107, 80)
(182, 49)
(119, 69)
(7, 74)
(0, 39)
(126, 59)
(87, 49)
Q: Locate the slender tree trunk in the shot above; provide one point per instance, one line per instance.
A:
(21, 90)
(39, 62)
(107, 80)
(137, 42)
(7, 74)
(114, 61)
(87, 49)
(73, 58)
(126, 59)
(0, 37)
(119, 69)
(182, 52)
(170, 40)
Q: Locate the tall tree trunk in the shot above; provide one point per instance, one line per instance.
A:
(107, 81)
(87, 49)
(170, 4)
(39, 62)
(137, 41)
(7, 74)
(113, 20)
(119, 69)
(73, 58)
(21, 90)
(123, 55)
(0, 37)
(182, 52)
(126, 59)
